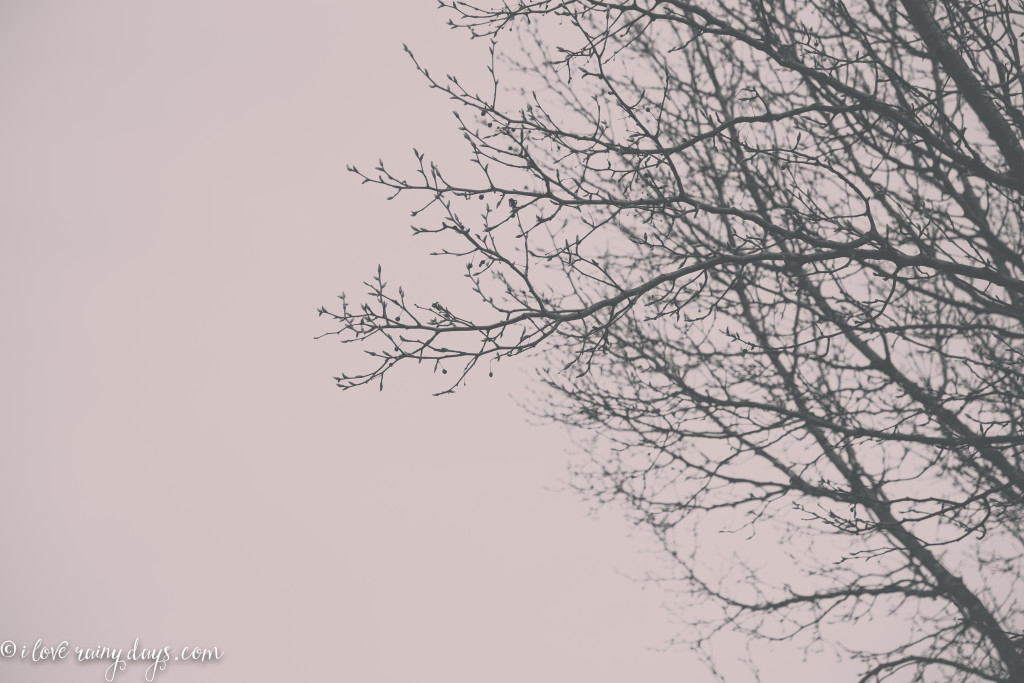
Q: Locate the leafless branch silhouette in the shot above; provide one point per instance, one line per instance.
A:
(771, 258)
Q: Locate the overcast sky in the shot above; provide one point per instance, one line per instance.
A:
(177, 465)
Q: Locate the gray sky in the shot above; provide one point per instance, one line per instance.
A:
(177, 464)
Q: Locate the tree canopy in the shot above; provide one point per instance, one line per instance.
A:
(770, 258)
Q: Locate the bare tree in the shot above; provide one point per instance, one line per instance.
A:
(771, 256)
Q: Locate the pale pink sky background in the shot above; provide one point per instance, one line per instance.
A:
(177, 465)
